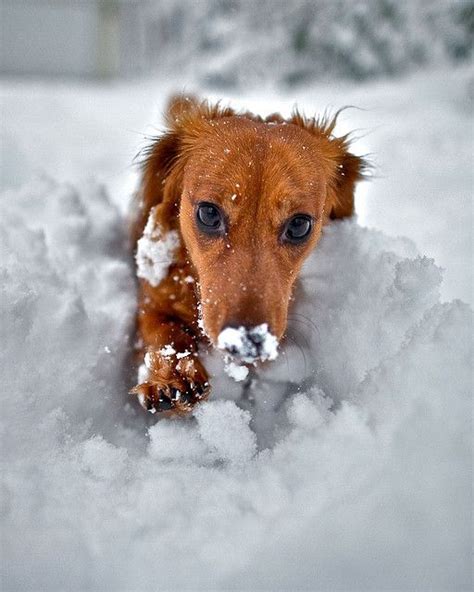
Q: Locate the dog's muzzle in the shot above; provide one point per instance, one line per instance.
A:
(249, 344)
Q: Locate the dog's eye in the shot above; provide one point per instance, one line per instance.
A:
(297, 229)
(209, 218)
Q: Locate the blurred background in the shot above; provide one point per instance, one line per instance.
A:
(233, 43)
(84, 81)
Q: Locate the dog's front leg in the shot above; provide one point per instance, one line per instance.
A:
(172, 378)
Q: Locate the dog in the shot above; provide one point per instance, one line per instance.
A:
(229, 206)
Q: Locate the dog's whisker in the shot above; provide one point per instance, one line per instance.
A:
(285, 353)
(293, 340)
(297, 335)
(306, 321)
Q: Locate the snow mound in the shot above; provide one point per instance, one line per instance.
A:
(225, 429)
(346, 465)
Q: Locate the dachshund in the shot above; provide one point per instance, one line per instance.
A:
(229, 206)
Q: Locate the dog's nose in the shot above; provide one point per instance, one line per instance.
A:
(249, 344)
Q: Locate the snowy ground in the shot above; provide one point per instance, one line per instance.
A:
(352, 469)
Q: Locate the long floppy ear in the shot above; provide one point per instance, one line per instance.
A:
(161, 170)
(350, 169)
(344, 168)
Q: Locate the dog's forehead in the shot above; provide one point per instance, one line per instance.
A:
(248, 137)
(239, 160)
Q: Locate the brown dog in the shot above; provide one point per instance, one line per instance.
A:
(230, 206)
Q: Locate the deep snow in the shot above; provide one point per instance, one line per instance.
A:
(347, 466)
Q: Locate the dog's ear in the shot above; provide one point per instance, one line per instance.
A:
(344, 168)
(349, 170)
(160, 170)
(154, 190)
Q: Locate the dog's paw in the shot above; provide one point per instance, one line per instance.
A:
(173, 386)
(163, 398)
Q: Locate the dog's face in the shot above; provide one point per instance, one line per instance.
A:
(251, 210)
(252, 197)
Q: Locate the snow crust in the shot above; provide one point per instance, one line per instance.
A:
(348, 466)
(155, 251)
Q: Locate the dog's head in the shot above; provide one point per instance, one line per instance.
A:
(249, 197)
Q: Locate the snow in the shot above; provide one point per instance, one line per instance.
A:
(166, 351)
(142, 375)
(235, 371)
(347, 464)
(155, 251)
(225, 431)
(249, 345)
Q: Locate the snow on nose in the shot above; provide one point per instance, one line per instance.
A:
(249, 345)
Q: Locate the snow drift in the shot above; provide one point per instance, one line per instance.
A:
(347, 466)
